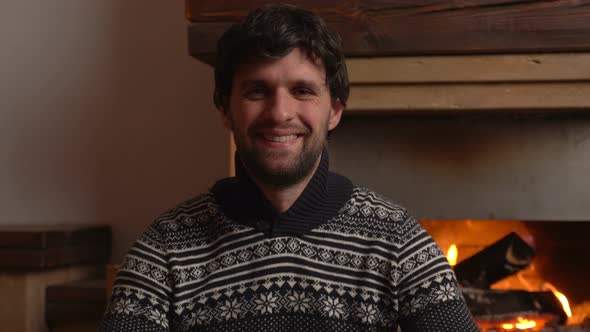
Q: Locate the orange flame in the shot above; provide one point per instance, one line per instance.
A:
(452, 255)
(564, 302)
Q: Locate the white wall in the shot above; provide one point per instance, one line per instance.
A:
(103, 115)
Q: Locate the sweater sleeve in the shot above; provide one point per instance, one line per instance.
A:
(429, 296)
(140, 296)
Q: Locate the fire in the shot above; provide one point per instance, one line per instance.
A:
(522, 324)
(508, 326)
(564, 302)
(535, 323)
(452, 255)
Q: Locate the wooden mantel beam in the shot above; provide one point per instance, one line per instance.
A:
(425, 84)
(385, 28)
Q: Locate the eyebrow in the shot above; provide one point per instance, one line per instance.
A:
(307, 83)
(249, 83)
(310, 84)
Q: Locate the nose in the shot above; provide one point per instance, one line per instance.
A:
(281, 106)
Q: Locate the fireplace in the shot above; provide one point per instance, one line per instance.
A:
(474, 178)
(475, 111)
(559, 269)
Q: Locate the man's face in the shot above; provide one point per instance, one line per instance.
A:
(280, 111)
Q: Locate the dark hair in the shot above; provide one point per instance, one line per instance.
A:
(272, 31)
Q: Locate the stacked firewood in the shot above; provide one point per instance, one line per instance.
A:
(493, 308)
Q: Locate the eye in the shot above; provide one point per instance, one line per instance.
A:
(303, 92)
(255, 93)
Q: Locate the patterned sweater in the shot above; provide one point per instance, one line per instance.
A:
(342, 258)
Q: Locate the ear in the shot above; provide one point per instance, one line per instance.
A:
(335, 114)
(225, 118)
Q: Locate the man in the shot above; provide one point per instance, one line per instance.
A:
(285, 245)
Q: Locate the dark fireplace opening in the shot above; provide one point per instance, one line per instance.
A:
(504, 296)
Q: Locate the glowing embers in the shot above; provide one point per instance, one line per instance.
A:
(574, 319)
(496, 310)
(520, 324)
(517, 324)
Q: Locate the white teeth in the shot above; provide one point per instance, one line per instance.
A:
(280, 138)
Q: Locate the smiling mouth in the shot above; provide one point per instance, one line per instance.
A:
(280, 139)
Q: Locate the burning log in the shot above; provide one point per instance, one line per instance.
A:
(499, 306)
(497, 261)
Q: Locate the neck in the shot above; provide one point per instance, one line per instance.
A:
(293, 211)
(281, 197)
